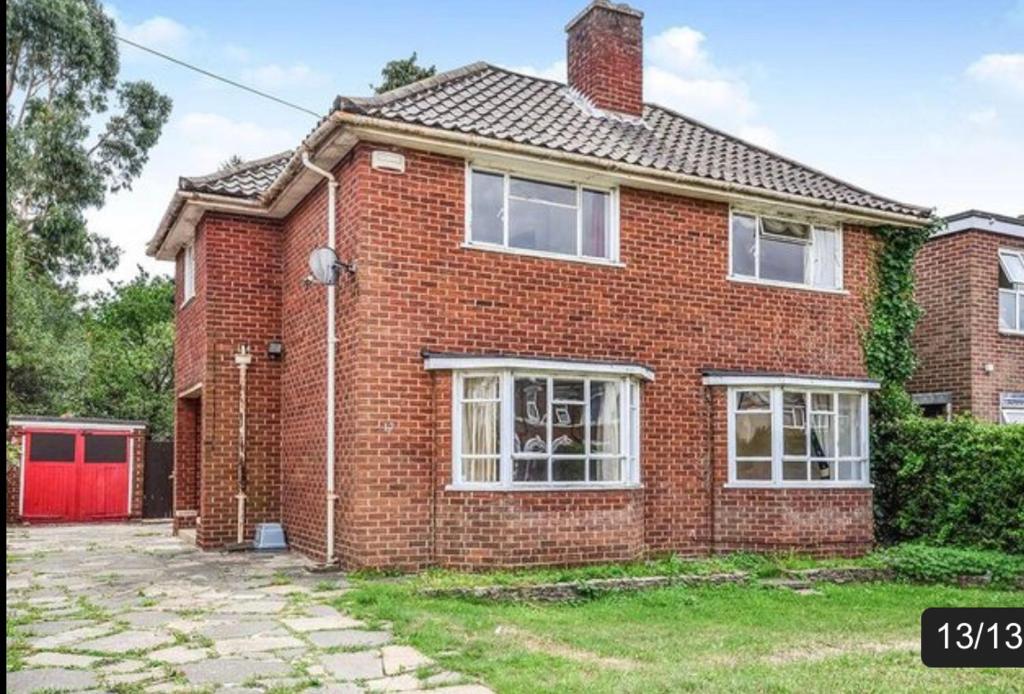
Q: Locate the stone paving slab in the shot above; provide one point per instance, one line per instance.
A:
(240, 623)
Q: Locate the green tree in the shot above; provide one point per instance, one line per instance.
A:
(230, 163)
(403, 71)
(129, 334)
(74, 133)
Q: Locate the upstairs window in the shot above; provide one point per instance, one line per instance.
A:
(778, 251)
(1011, 291)
(541, 218)
(188, 273)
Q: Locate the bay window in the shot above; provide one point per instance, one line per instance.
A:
(797, 436)
(521, 429)
(540, 217)
(1011, 291)
(778, 251)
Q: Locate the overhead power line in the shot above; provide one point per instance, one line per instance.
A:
(220, 78)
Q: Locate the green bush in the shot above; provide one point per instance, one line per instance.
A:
(960, 483)
(925, 564)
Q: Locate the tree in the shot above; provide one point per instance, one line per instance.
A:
(398, 73)
(129, 333)
(74, 133)
(230, 163)
(62, 65)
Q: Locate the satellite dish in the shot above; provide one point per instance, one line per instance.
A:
(323, 265)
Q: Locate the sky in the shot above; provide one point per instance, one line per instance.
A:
(918, 100)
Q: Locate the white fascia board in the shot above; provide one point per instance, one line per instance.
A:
(982, 223)
(42, 424)
(794, 381)
(471, 363)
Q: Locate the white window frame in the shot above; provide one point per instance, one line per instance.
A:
(1017, 292)
(808, 283)
(629, 424)
(777, 453)
(612, 257)
(1010, 404)
(188, 272)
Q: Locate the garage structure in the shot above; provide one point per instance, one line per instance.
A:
(76, 469)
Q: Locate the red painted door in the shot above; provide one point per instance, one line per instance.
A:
(76, 475)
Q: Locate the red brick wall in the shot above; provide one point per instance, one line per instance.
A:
(605, 59)
(238, 302)
(958, 289)
(670, 307)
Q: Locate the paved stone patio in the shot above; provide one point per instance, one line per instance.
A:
(130, 608)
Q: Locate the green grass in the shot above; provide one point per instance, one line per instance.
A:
(737, 638)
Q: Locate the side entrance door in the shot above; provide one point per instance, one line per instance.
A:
(76, 475)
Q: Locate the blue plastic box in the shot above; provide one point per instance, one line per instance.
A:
(269, 536)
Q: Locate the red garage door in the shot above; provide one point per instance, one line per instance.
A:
(76, 475)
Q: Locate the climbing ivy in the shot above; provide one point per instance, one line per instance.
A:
(889, 355)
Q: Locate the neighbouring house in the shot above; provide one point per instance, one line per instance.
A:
(571, 327)
(75, 469)
(970, 339)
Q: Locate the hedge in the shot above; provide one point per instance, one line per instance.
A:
(959, 483)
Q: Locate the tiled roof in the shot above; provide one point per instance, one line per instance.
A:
(246, 180)
(488, 101)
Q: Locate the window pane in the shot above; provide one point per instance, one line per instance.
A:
(753, 435)
(821, 470)
(821, 402)
(480, 388)
(568, 391)
(596, 213)
(547, 192)
(1013, 265)
(480, 470)
(1020, 310)
(606, 470)
(486, 211)
(794, 470)
(530, 470)
(753, 400)
(782, 260)
(790, 230)
(849, 470)
(106, 449)
(1007, 309)
(531, 415)
(541, 227)
(822, 437)
(826, 254)
(604, 417)
(744, 231)
(849, 425)
(794, 423)
(480, 428)
(567, 429)
(753, 470)
(52, 448)
(568, 470)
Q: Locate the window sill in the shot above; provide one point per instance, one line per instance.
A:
(1011, 333)
(541, 254)
(186, 302)
(786, 285)
(807, 485)
(542, 487)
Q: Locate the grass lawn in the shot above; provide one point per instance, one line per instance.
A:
(731, 638)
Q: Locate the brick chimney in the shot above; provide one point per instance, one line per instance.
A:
(605, 55)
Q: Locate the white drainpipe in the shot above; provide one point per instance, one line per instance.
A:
(242, 358)
(332, 339)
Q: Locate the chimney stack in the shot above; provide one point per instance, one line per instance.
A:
(605, 54)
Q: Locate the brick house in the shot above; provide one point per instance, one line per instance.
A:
(570, 327)
(970, 340)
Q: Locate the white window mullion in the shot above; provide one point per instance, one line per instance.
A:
(833, 468)
(865, 435)
(550, 416)
(507, 409)
(777, 430)
(757, 248)
(579, 220)
(586, 429)
(456, 428)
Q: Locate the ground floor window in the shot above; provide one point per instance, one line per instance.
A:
(1011, 408)
(797, 436)
(521, 429)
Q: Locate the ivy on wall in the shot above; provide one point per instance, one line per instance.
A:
(890, 359)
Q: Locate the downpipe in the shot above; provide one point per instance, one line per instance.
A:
(242, 359)
(332, 340)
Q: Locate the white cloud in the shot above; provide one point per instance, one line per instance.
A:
(193, 144)
(555, 71)
(236, 53)
(274, 76)
(983, 118)
(681, 50)
(157, 32)
(1002, 71)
